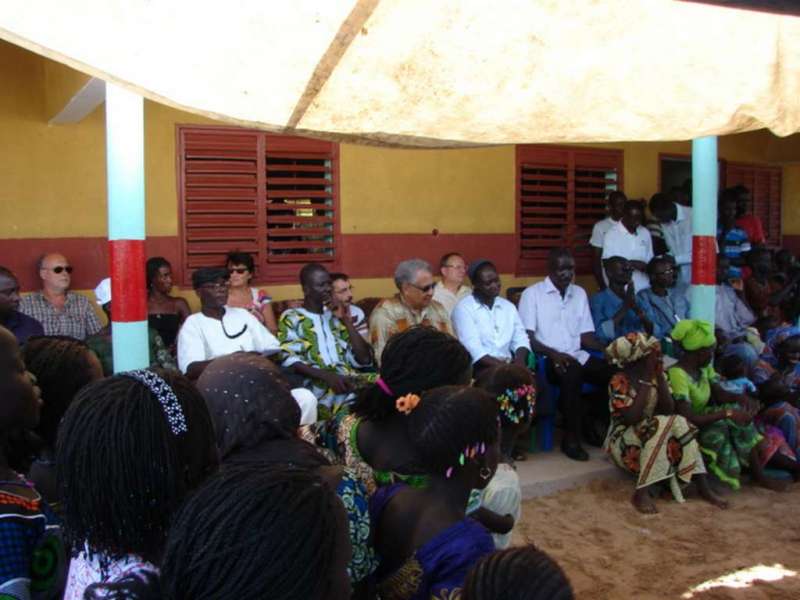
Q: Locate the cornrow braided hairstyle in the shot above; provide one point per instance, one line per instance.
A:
(414, 360)
(62, 367)
(121, 471)
(265, 532)
(447, 420)
(522, 573)
(505, 382)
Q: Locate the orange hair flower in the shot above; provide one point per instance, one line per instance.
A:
(405, 404)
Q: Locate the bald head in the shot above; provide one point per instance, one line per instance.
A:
(54, 270)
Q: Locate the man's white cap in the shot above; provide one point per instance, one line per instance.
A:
(103, 291)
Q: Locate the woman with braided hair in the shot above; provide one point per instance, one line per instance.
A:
(424, 538)
(523, 573)
(277, 533)
(62, 367)
(373, 439)
(130, 449)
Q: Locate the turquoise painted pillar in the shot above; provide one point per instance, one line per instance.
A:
(126, 231)
(705, 183)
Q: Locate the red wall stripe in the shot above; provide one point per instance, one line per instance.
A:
(128, 295)
(704, 260)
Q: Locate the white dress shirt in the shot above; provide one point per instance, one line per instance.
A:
(556, 321)
(618, 241)
(447, 298)
(203, 338)
(484, 331)
(678, 236)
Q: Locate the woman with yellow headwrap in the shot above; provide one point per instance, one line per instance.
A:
(646, 437)
(728, 437)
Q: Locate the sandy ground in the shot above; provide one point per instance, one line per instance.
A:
(610, 551)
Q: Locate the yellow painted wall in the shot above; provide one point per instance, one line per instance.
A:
(53, 177)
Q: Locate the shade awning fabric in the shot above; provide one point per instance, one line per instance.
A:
(442, 73)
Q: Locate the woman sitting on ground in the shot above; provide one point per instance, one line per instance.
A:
(424, 538)
(130, 449)
(373, 439)
(62, 367)
(257, 421)
(165, 313)
(240, 295)
(31, 553)
(728, 437)
(513, 388)
(522, 573)
(646, 437)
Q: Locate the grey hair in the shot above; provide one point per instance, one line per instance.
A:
(406, 271)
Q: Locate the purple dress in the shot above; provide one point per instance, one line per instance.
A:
(438, 568)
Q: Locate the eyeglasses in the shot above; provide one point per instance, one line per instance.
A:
(457, 267)
(239, 270)
(424, 289)
(60, 269)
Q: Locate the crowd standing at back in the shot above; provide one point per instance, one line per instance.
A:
(338, 450)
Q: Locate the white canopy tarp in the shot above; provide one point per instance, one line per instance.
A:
(437, 72)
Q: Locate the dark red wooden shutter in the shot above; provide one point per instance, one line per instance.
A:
(764, 184)
(560, 196)
(272, 196)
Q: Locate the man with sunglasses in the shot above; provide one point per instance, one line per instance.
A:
(413, 305)
(615, 311)
(60, 311)
(217, 329)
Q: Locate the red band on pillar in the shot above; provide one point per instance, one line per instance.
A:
(128, 294)
(704, 260)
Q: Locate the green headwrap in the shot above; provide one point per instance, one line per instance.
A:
(694, 334)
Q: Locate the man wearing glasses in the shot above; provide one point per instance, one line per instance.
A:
(413, 305)
(451, 288)
(217, 329)
(60, 311)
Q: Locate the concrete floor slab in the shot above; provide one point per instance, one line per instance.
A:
(545, 473)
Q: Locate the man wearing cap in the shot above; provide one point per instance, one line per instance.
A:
(60, 311)
(100, 343)
(413, 305)
(488, 326)
(451, 289)
(217, 329)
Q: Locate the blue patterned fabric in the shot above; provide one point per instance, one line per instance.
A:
(604, 306)
(353, 495)
(436, 569)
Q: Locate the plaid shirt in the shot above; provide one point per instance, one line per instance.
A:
(77, 319)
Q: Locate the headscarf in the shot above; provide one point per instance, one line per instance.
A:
(630, 347)
(249, 402)
(774, 338)
(694, 334)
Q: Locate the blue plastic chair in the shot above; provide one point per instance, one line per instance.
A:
(545, 424)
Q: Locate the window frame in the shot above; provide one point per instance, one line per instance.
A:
(755, 168)
(266, 272)
(547, 154)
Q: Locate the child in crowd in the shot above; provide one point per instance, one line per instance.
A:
(62, 366)
(130, 448)
(423, 536)
(277, 533)
(734, 369)
(523, 573)
(32, 558)
(498, 506)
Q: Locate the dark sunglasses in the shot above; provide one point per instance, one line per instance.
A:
(239, 270)
(59, 269)
(424, 289)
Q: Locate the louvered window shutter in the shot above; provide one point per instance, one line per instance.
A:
(764, 184)
(274, 197)
(560, 196)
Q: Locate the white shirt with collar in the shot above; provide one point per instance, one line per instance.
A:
(600, 230)
(618, 241)
(556, 321)
(497, 331)
(678, 236)
(202, 338)
(447, 298)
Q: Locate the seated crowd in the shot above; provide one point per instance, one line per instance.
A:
(333, 452)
